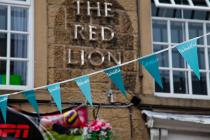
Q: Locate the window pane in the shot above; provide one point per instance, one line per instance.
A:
(163, 57)
(195, 30)
(188, 14)
(18, 72)
(177, 32)
(3, 45)
(165, 81)
(19, 0)
(200, 15)
(201, 58)
(3, 72)
(164, 1)
(209, 57)
(178, 13)
(199, 86)
(163, 12)
(160, 31)
(180, 81)
(199, 2)
(154, 10)
(208, 31)
(3, 17)
(19, 19)
(19, 45)
(177, 59)
(182, 2)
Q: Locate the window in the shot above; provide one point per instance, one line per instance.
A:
(16, 44)
(183, 4)
(173, 26)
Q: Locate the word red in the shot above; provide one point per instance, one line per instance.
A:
(17, 131)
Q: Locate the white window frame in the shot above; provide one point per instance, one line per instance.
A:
(191, 6)
(171, 69)
(16, 2)
(30, 52)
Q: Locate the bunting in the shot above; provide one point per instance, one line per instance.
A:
(30, 96)
(189, 52)
(55, 92)
(84, 85)
(150, 63)
(3, 106)
(115, 75)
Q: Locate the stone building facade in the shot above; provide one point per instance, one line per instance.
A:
(69, 43)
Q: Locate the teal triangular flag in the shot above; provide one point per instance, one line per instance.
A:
(84, 85)
(150, 63)
(190, 53)
(55, 92)
(115, 75)
(3, 106)
(30, 96)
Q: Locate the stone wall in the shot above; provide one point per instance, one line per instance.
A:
(61, 20)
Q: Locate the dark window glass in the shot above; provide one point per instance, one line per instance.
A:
(3, 72)
(199, 86)
(188, 14)
(199, 2)
(163, 12)
(19, 45)
(180, 82)
(177, 32)
(208, 31)
(3, 17)
(208, 16)
(163, 57)
(154, 9)
(164, 1)
(3, 45)
(18, 72)
(209, 56)
(182, 2)
(160, 31)
(195, 30)
(165, 81)
(19, 19)
(201, 58)
(177, 59)
(200, 15)
(178, 13)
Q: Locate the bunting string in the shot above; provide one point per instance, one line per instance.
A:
(100, 71)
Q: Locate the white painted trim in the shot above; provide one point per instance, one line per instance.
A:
(208, 2)
(16, 2)
(181, 126)
(191, 6)
(181, 20)
(182, 96)
(8, 44)
(31, 50)
(11, 58)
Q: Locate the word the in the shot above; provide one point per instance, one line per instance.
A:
(91, 32)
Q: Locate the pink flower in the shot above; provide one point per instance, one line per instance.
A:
(106, 126)
(98, 125)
